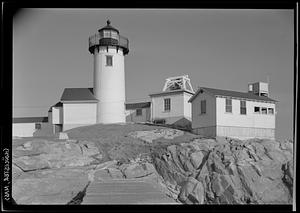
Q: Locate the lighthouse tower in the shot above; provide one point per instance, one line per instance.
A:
(109, 48)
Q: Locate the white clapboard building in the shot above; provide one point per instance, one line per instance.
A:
(171, 106)
(217, 112)
(30, 126)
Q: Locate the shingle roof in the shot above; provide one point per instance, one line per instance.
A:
(170, 92)
(78, 94)
(233, 94)
(30, 120)
(137, 105)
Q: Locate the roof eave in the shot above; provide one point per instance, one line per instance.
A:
(79, 101)
(170, 92)
(249, 99)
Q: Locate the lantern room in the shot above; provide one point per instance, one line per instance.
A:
(108, 36)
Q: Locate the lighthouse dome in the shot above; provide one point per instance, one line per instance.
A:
(108, 27)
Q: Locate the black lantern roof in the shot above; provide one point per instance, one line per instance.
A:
(109, 27)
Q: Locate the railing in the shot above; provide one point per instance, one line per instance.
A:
(95, 40)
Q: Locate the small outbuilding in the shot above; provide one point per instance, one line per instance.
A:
(171, 106)
(29, 126)
(138, 112)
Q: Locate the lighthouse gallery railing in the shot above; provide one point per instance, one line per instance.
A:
(95, 40)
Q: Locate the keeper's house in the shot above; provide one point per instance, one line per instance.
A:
(242, 115)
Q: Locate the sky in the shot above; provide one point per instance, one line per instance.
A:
(217, 48)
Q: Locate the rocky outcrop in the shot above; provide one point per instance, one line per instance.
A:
(51, 172)
(59, 172)
(149, 136)
(42, 154)
(50, 186)
(228, 171)
(188, 168)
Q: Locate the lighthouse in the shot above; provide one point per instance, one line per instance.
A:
(108, 48)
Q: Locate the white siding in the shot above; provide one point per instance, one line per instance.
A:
(79, 113)
(177, 107)
(235, 119)
(57, 115)
(217, 122)
(23, 129)
(209, 118)
(131, 115)
(187, 109)
(28, 129)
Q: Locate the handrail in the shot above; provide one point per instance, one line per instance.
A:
(95, 40)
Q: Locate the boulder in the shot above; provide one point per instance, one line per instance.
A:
(42, 154)
(196, 159)
(192, 192)
(288, 174)
(136, 170)
(27, 163)
(31, 148)
(115, 173)
(53, 186)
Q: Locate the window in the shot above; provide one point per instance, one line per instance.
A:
(37, 126)
(264, 110)
(167, 104)
(114, 35)
(109, 61)
(139, 112)
(270, 111)
(106, 33)
(228, 107)
(203, 107)
(256, 109)
(243, 108)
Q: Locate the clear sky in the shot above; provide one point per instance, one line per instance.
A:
(224, 49)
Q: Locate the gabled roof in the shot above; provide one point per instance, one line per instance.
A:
(78, 94)
(58, 104)
(30, 120)
(137, 105)
(170, 92)
(232, 94)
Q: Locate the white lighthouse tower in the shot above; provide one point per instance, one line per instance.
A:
(109, 48)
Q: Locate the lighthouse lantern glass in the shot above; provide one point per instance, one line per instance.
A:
(106, 34)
